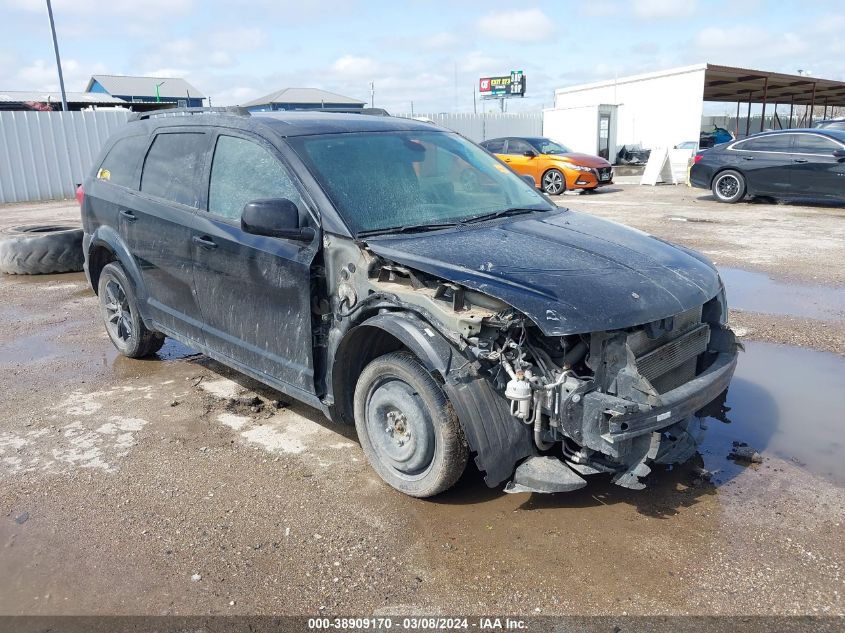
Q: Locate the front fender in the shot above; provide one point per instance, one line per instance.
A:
(497, 438)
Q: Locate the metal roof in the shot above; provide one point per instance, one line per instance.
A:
(170, 88)
(728, 83)
(27, 96)
(731, 83)
(303, 96)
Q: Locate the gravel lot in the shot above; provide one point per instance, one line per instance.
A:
(159, 487)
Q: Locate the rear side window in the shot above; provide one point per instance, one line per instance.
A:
(170, 170)
(813, 144)
(774, 143)
(243, 171)
(495, 147)
(120, 165)
(518, 147)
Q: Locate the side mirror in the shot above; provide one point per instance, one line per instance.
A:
(839, 153)
(275, 217)
(529, 153)
(529, 180)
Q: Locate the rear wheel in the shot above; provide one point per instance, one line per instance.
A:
(407, 427)
(729, 186)
(119, 308)
(553, 182)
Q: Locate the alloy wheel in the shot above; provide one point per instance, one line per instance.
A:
(118, 312)
(553, 182)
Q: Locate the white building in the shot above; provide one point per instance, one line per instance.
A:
(663, 109)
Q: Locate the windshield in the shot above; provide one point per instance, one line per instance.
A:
(401, 180)
(548, 146)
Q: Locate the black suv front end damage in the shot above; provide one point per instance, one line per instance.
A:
(544, 409)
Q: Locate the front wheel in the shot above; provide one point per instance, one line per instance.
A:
(729, 186)
(407, 427)
(553, 182)
(119, 308)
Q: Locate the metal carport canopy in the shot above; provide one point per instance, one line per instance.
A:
(726, 83)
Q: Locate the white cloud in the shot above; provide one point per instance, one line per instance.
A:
(439, 42)
(522, 25)
(478, 61)
(238, 39)
(42, 75)
(664, 8)
(749, 46)
(355, 66)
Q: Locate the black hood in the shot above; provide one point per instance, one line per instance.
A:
(568, 272)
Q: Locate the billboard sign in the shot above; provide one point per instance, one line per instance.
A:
(512, 85)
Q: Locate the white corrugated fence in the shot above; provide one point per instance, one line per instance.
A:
(480, 127)
(44, 154)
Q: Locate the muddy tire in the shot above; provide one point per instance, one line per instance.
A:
(553, 182)
(119, 308)
(407, 428)
(40, 249)
(728, 186)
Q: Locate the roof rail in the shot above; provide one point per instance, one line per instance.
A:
(233, 110)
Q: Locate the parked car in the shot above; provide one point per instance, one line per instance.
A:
(554, 167)
(339, 259)
(716, 136)
(796, 162)
(831, 124)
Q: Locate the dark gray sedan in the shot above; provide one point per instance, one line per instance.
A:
(798, 162)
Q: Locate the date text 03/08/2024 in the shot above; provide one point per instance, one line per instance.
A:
(418, 623)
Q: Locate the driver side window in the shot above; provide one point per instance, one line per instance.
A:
(242, 171)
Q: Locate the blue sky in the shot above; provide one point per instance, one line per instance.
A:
(431, 53)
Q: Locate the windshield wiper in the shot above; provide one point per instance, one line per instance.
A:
(408, 228)
(499, 214)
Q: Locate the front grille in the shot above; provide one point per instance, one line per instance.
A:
(673, 364)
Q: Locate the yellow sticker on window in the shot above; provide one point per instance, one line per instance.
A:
(104, 174)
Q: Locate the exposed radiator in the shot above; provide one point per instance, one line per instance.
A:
(671, 356)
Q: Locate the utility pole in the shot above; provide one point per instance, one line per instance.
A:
(412, 108)
(372, 94)
(58, 59)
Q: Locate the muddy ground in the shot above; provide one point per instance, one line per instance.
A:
(158, 487)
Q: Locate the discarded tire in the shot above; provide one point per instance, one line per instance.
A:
(40, 249)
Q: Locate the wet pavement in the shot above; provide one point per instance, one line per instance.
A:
(758, 292)
(137, 476)
(784, 401)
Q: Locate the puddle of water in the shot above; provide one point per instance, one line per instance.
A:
(757, 292)
(174, 350)
(786, 401)
(45, 280)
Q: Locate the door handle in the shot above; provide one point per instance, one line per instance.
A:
(126, 213)
(507, 160)
(204, 241)
(800, 160)
(747, 158)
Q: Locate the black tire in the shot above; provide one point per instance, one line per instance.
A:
(40, 249)
(553, 182)
(398, 403)
(728, 186)
(119, 308)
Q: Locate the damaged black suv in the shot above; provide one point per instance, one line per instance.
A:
(396, 276)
